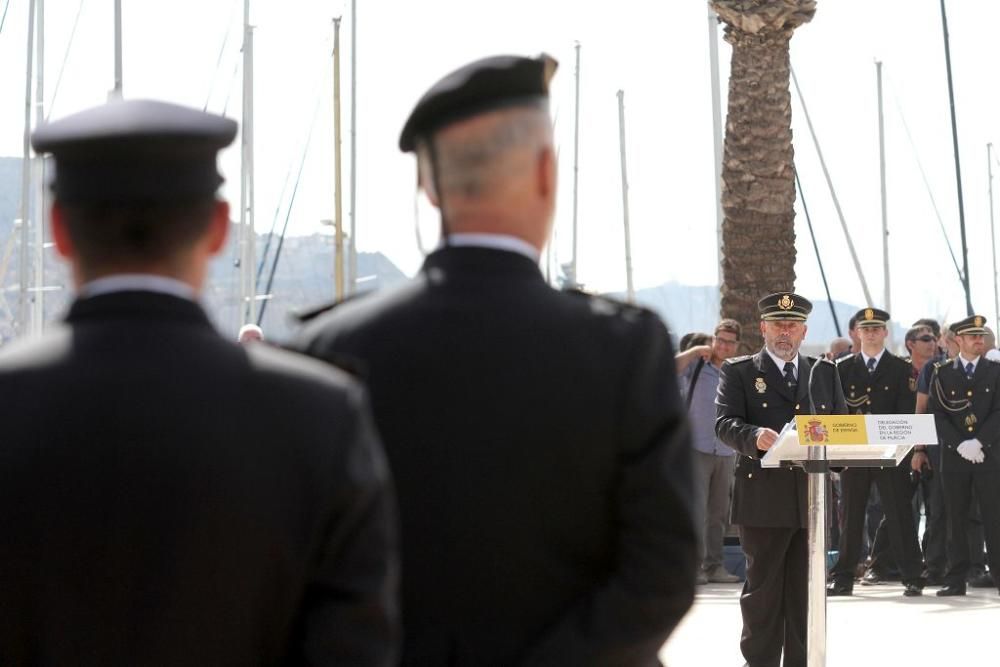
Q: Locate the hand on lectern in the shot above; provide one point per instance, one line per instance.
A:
(919, 461)
(765, 438)
(971, 450)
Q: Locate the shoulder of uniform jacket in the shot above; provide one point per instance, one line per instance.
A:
(739, 360)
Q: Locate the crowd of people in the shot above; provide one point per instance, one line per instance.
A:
(442, 474)
(472, 469)
(950, 488)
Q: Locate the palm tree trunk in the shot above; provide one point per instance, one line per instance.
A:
(758, 178)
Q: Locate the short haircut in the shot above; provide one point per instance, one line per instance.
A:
(104, 233)
(914, 333)
(730, 325)
(930, 324)
(692, 339)
(472, 165)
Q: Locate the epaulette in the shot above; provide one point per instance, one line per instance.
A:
(841, 360)
(307, 314)
(739, 360)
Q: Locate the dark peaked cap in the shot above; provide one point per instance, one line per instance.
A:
(135, 150)
(784, 306)
(483, 85)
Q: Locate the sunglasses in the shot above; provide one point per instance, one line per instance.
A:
(925, 338)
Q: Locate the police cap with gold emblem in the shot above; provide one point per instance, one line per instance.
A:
(483, 85)
(870, 318)
(784, 306)
(975, 325)
(135, 150)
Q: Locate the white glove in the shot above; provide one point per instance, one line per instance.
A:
(972, 450)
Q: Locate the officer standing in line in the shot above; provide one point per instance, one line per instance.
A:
(877, 382)
(965, 402)
(758, 395)
(169, 497)
(538, 439)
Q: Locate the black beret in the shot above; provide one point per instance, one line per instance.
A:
(974, 325)
(484, 85)
(784, 306)
(136, 150)
(871, 317)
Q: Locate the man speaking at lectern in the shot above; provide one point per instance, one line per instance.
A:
(758, 395)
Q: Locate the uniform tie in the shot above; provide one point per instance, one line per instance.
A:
(790, 374)
(871, 364)
(969, 370)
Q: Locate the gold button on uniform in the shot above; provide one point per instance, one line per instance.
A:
(765, 405)
(970, 392)
(970, 429)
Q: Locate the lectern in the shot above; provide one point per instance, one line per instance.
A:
(816, 443)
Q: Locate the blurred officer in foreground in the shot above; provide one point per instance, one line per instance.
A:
(170, 498)
(537, 438)
(758, 395)
(877, 382)
(965, 402)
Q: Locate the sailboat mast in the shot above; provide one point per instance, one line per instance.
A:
(117, 92)
(22, 306)
(247, 263)
(352, 273)
(713, 53)
(338, 238)
(630, 293)
(571, 278)
(993, 234)
(958, 166)
(38, 297)
(885, 219)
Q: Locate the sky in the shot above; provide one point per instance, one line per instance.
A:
(188, 51)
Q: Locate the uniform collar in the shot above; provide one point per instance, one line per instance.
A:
(877, 357)
(961, 362)
(496, 242)
(138, 282)
(780, 363)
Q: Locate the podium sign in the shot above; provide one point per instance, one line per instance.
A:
(850, 440)
(817, 442)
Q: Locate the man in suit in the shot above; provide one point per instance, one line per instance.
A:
(877, 382)
(758, 395)
(169, 497)
(965, 401)
(537, 438)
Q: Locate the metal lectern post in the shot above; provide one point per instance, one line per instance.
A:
(816, 637)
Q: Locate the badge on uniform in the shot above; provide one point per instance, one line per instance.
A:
(760, 386)
(970, 420)
(913, 384)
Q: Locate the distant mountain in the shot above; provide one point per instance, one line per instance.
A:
(303, 279)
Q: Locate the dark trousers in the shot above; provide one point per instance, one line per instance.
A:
(895, 491)
(775, 599)
(960, 479)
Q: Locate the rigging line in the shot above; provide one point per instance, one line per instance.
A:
(833, 193)
(229, 92)
(927, 185)
(62, 67)
(3, 19)
(284, 187)
(819, 258)
(222, 51)
(288, 215)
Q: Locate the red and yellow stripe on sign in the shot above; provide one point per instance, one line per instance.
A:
(831, 429)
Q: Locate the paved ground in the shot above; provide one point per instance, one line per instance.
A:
(876, 626)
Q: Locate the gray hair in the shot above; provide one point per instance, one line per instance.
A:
(474, 164)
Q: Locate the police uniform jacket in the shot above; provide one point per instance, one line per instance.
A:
(754, 394)
(539, 447)
(965, 409)
(887, 391)
(171, 498)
